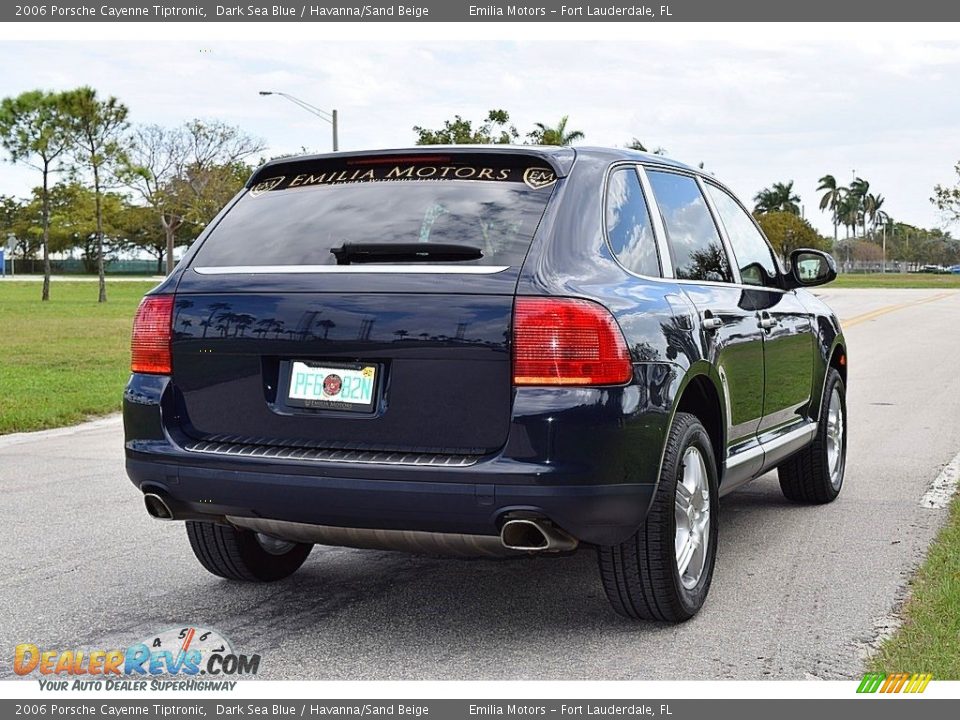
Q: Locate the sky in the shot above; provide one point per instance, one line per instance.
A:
(755, 108)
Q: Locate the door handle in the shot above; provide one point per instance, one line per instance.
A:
(711, 321)
(766, 321)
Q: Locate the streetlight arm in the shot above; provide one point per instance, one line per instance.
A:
(330, 117)
(323, 114)
(308, 107)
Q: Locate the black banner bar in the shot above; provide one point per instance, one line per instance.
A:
(460, 11)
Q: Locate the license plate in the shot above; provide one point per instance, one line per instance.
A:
(334, 386)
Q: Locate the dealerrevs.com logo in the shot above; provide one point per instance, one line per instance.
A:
(187, 658)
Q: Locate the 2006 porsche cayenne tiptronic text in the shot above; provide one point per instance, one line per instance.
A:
(483, 350)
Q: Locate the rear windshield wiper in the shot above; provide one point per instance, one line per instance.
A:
(404, 252)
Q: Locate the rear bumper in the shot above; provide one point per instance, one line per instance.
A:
(602, 514)
(585, 459)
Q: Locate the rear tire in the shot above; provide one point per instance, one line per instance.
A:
(244, 555)
(815, 474)
(663, 572)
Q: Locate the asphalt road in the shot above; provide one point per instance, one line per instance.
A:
(799, 591)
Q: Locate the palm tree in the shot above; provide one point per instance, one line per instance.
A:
(831, 199)
(214, 309)
(780, 197)
(241, 322)
(636, 144)
(263, 327)
(765, 201)
(871, 209)
(858, 191)
(546, 135)
(327, 324)
(848, 213)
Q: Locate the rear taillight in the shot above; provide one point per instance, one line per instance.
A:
(150, 346)
(564, 341)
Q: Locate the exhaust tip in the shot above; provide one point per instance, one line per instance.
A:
(523, 535)
(157, 507)
(535, 535)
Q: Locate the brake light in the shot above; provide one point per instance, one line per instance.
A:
(565, 341)
(150, 345)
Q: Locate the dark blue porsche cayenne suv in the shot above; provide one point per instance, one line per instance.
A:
(483, 351)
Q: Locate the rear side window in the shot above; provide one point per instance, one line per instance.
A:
(628, 224)
(307, 214)
(695, 244)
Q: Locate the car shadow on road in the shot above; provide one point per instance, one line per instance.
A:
(363, 612)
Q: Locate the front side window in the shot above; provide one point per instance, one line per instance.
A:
(695, 244)
(628, 224)
(753, 255)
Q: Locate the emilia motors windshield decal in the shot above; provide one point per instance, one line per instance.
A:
(184, 658)
(535, 178)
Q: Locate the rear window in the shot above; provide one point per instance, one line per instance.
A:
(304, 213)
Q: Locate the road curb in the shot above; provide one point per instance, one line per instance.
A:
(25, 437)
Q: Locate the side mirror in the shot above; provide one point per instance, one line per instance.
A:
(811, 267)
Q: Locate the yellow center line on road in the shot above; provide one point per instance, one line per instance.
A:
(857, 319)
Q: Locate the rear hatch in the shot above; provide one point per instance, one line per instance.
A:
(360, 303)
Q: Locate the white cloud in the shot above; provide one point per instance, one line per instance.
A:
(764, 106)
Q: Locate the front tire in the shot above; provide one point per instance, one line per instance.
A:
(244, 555)
(663, 572)
(815, 474)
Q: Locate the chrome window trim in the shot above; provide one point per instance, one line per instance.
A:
(729, 193)
(734, 270)
(659, 229)
(722, 230)
(742, 286)
(651, 206)
(352, 269)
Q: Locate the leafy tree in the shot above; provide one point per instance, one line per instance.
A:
(919, 246)
(138, 227)
(947, 199)
(865, 251)
(709, 263)
(73, 223)
(495, 130)
(559, 135)
(186, 174)
(787, 231)
(10, 210)
(208, 188)
(831, 199)
(33, 131)
(23, 220)
(780, 197)
(98, 129)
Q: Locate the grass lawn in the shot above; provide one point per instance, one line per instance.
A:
(896, 280)
(929, 639)
(67, 359)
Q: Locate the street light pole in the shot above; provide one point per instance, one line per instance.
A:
(327, 116)
(884, 248)
(333, 122)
